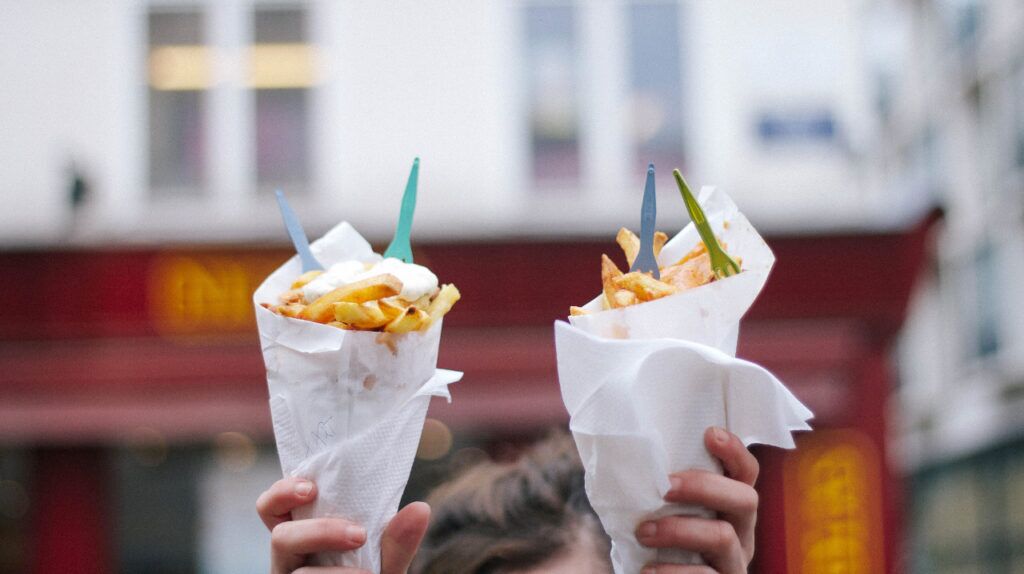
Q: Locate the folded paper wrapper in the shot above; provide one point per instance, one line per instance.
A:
(348, 406)
(642, 383)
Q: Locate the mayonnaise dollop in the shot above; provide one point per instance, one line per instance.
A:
(417, 280)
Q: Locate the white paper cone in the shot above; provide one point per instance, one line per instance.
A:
(348, 406)
(642, 384)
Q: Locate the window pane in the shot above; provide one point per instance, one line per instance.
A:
(279, 26)
(988, 309)
(281, 74)
(281, 136)
(178, 74)
(552, 95)
(656, 90)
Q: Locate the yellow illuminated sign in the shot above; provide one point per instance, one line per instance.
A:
(196, 294)
(833, 505)
(190, 67)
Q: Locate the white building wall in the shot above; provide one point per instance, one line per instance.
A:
(443, 80)
(962, 357)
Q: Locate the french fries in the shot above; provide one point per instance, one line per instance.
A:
(306, 278)
(609, 273)
(412, 320)
(372, 304)
(443, 302)
(367, 315)
(620, 289)
(322, 310)
(630, 243)
(644, 286)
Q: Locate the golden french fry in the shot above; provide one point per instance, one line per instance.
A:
(629, 243)
(291, 296)
(378, 287)
(367, 315)
(694, 272)
(392, 307)
(293, 310)
(695, 252)
(660, 239)
(609, 272)
(411, 320)
(644, 286)
(623, 298)
(306, 278)
(442, 303)
(424, 301)
(575, 311)
(339, 325)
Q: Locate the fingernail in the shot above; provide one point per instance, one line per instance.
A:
(720, 435)
(356, 534)
(649, 570)
(648, 529)
(303, 488)
(675, 482)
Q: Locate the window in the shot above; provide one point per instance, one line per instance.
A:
(552, 95)
(988, 309)
(179, 73)
(797, 125)
(281, 74)
(656, 90)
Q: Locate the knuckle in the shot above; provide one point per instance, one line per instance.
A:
(751, 501)
(724, 536)
(701, 482)
(755, 468)
(677, 530)
(280, 537)
(262, 502)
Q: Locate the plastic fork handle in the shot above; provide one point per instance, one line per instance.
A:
(645, 260)
(400, 247)
(297, 235)
(721, 263)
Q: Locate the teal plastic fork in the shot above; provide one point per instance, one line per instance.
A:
(400, 247)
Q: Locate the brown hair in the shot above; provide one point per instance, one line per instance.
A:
(503, 517)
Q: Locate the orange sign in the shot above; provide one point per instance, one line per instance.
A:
(833, 505)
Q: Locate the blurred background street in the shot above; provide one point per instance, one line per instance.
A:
(878, 145)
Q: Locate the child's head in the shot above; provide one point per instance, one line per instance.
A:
(516, 518)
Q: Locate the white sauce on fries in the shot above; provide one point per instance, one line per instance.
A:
(417, 280)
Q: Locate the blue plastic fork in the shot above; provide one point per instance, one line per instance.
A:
(645, 261)
(297, 235)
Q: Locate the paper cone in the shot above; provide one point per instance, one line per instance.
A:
(642, 384)
(348, 406)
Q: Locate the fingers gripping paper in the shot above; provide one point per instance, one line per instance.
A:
(347, 409)
(642, 383)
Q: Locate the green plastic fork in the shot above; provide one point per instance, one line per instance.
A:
(721, 263)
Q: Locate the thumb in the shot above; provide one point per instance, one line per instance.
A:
(402, 538)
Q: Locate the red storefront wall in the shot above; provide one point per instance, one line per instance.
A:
(95, 344)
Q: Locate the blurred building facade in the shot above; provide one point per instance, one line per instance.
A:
(951, 105)
(181, 115)
(143, 139)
